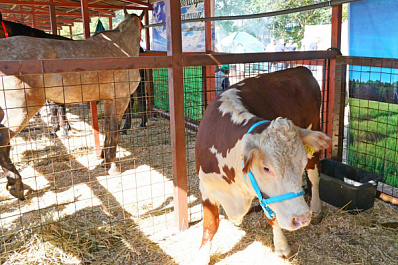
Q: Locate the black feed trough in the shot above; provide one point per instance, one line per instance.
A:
(343, 185)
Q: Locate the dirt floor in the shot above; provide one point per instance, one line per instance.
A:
(81, 214)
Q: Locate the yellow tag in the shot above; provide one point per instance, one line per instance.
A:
(310, 150)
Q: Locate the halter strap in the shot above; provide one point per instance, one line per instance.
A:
(4, 29)
(265, 202)
(139, 20)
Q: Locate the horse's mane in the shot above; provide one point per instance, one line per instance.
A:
(21, 29)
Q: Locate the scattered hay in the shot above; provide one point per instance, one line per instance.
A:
(82, 215)
(84, 240)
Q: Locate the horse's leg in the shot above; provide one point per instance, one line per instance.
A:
(53, 118)
(107, 118)
(141, 95)
(129, 116)
(61, 109)
(116, 108)
(17, 119)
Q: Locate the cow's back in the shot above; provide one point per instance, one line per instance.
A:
(292, 93)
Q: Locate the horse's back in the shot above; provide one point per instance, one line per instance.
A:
(30, 48)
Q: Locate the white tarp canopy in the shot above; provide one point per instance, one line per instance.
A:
(232, 42)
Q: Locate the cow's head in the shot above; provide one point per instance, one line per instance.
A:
(277, 158)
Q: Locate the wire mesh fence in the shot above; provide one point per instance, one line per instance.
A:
(77, 208)
(369, 118)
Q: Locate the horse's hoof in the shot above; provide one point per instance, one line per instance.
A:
(16, 190)
(114, 170)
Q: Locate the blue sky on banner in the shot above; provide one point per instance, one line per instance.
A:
(373, 29)
(193, 34)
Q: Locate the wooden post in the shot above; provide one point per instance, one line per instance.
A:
(53, 18)
(176, 99)
(93, 104)
(335, 43)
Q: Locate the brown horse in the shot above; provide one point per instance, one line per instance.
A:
(10, 29)
(23, 95)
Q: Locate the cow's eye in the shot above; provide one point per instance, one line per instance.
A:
(266, 169)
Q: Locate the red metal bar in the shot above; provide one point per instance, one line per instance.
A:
(147, 37)
(335, 42)
(33, 17)
(70, 4)
(148, 72)
(45, 13)
(209, 93)
(176, 99)
(93, 104)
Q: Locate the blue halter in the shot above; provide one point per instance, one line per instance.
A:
(265, 202)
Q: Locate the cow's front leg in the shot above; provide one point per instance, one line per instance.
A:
(313, 175)
(211, 221)
(282, 248)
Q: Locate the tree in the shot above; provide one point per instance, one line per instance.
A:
(284, 26)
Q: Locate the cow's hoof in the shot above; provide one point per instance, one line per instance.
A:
(53, 135)
(317, 217)
(283, 252)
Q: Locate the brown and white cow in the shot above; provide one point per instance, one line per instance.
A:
(274, 151)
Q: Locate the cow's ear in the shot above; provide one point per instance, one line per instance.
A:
(125, 11)
(317, 140)
(248, 152)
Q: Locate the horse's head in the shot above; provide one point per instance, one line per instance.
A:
(131, 27)
(131, 17)
(127, 14)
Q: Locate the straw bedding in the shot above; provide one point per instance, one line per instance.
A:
(80, 214)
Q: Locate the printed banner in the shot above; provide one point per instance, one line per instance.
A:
(193, 34)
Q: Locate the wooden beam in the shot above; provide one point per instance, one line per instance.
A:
(176, 99)
(332, 99)
(53, 18)
(71, 4)
(76, 14)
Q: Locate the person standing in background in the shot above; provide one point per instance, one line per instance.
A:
(221, 79)
(313, 47)
(280, 47)
(291, 46)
